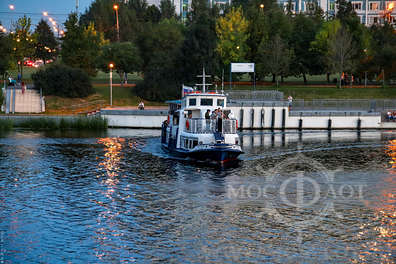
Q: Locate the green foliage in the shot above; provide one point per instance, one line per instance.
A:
(274, 56)
(382, 52)
(23, 42)
(268, 22)
(152, 14)
(167, 9)
(45, 42)
(62, 80)
(80, 123)
(80, 45)
(124, 55)
(5, 51)
(160, 48)
(306, 60)
(232, 31)
(6, 124)
(341, 52)
(200, 41)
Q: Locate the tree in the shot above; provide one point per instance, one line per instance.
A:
(152, 14)
(124, 55)
(382, 52)
(322, 41)
(275, 57)
(232, 31)
(80, 45)
(160, 47)
(5, 51)
(266, 23)
(45, 42)
(102, 14)
(345, 10)
(306, 60)
(167, 9)
(23, 41)
(341, 52)
(200, 41)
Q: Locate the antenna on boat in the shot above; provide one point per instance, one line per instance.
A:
(203, 84)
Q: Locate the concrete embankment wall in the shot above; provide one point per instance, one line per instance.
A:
(255, 117)
(279, 117)
(135, 118)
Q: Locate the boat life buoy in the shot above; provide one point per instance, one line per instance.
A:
(187, 124)
(236, 124)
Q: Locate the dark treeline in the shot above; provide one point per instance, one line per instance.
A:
(169, 51)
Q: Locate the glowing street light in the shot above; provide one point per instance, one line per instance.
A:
(262, 6)
(115, 7)
(12, 7)
(45, 13)
(111, 66)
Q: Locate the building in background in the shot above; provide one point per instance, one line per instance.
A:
(369, 11)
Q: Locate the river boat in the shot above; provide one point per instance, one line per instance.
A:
(188, 132)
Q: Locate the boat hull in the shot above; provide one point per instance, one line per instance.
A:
(216, 153)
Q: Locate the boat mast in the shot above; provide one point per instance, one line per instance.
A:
(203, 84)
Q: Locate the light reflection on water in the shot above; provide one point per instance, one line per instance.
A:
(114, 196)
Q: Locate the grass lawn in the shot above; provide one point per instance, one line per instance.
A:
(312, 92)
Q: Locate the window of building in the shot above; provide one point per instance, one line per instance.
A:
(375, 20)
(206, 101)
(332, 6)
(292, 7)
(357, 5)
(310, 6)
(220, 102)
(373, 6)
(192, 101)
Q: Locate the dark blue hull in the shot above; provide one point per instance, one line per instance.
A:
(215, 155)
(220, 154)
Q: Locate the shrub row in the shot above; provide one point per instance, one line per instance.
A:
(62, 80)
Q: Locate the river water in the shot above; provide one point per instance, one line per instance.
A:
(116, 197)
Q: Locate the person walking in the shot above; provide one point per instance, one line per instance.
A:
(290, 100)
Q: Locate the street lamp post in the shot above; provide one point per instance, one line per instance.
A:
(111, 66)
(115, 7)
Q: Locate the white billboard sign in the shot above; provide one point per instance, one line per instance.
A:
(242, 67)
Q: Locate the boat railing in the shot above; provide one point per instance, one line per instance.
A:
(209, 126)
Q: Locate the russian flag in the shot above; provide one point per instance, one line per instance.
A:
(186, 90)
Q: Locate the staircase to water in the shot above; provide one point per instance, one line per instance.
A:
(29, 101)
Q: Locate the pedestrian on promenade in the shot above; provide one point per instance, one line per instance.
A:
(141, 105)
(290, 100)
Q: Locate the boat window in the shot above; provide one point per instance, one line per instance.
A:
(192, 101)
(220, 102)
(195, 142)
(206, 101)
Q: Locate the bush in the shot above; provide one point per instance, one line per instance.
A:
(62, 80)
